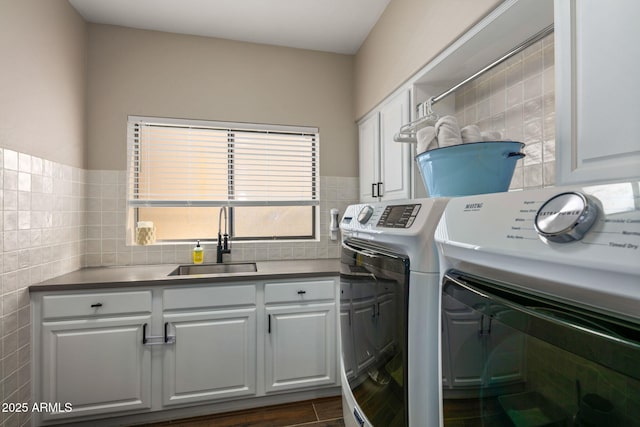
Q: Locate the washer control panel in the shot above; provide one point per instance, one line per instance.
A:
(398, 216)
(565, 217)
(595, 225)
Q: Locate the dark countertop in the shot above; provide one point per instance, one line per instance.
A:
(149, 275)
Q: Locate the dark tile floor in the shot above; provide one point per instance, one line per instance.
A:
(325, 412)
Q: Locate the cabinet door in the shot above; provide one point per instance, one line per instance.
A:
(369, 155)
(300, 347)
(597, 103)
(98, 365)
(214, 356)
(395, 157)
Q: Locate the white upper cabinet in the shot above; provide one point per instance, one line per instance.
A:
(395, 157)
(597, 90)
(385, 165)
(369, 156)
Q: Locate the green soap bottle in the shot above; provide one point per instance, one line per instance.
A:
(198, 254)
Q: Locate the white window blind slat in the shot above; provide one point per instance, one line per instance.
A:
(173, 163)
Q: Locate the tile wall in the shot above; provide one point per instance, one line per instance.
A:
(57, 219)
(42, 236)
(106, 222)
(517, 98)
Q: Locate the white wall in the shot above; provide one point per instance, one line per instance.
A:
(149, 73)
(42, 153)
(43, 80)
(406, 37)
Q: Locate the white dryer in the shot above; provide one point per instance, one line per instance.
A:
(541, 307)
(390, 313)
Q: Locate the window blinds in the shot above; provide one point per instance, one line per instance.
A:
(175, 163)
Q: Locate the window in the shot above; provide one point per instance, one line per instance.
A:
(181, 172)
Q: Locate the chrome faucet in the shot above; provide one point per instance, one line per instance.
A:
(223, 239)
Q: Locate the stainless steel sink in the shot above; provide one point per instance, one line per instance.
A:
(193, 269)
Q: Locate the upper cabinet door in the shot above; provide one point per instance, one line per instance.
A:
(369, 154)
(598, 106)
(395, 157)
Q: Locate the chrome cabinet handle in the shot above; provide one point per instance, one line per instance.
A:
(166, 338)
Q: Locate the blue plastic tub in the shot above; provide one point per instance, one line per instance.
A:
(466, 169)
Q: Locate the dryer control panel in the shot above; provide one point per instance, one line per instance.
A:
(398, 216)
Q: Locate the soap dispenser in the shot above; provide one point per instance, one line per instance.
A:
(333, 224)
(198, 254)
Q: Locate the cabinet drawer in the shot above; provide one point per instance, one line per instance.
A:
(212, 296)
(98, 304)
(299, 291)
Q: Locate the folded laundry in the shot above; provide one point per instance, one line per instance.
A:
(426, 139)
(491, 135)
(448, 131)
(471, 133)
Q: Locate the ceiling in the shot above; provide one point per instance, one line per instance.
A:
(338, 26)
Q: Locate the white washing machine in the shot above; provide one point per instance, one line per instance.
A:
(541, 307)
(390, 313)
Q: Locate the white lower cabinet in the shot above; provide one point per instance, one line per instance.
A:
(301, 343)
(213, 357)
(211, 353)
(124, 352)
(98, 366)
(90, 353)
(300, 348)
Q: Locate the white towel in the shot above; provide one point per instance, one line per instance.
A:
(491, 135)
(471, 133)
(426, 139)
(448, 132)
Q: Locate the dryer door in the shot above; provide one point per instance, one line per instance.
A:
(374, 283)
(518, 358)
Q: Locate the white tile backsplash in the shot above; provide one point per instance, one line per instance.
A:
(43, 235)
(106, 242)
(517, 98)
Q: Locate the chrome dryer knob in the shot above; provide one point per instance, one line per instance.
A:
(565, 217)
(365, 214)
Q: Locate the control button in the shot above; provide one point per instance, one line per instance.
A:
(365, 214)
(565, 217)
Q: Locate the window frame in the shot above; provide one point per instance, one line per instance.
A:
(232, 128)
